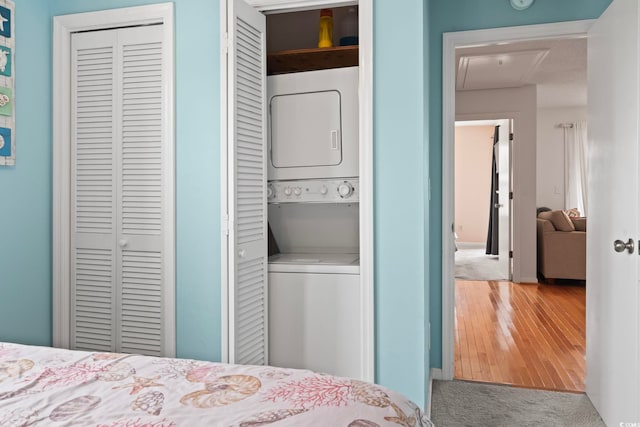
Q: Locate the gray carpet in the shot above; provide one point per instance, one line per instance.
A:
(474, 264)
(462, 404)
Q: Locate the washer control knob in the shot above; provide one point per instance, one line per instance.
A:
(287, 191)
(345, 190)
(297, 191)
(270, 191)
(324, 190)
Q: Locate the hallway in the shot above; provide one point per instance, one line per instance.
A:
(527, 335)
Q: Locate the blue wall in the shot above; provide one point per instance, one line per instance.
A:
(25, 189)
(462, 15)
(400, 167)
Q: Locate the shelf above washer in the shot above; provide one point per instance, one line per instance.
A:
(294, 61)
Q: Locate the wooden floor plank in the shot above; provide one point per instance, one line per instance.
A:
(527, 335)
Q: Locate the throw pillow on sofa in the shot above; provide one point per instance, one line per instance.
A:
(559, 219)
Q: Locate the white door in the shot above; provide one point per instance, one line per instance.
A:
(613, 297)
(246, 127)
(504, 187)
(93, 192)
(122, 193)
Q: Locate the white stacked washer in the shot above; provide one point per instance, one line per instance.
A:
(314, 280)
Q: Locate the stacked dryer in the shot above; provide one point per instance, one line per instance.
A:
(313, 195)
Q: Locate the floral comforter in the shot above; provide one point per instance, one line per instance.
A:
(41, 386)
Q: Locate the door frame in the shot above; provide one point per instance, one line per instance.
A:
(63, 27)
(450, 42)
(365, 156)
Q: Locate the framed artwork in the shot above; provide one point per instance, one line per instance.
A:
(7, 84)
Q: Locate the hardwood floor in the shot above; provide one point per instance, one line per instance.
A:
(528, 335)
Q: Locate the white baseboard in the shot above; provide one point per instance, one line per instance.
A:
(528, 280)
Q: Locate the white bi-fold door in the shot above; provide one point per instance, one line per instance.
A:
(121, 192)
(247, 204)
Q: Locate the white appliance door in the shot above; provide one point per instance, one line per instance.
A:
(247, 188)
(306, 129)
(504, 188)
(316, 322)
(613, 299)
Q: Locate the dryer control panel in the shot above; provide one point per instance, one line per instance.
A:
(314, 191)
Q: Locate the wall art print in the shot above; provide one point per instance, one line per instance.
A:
(5, 142)
(7, 83)
(6, 101)
(5, 61)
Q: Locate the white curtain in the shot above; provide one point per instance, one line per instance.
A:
(575, 167)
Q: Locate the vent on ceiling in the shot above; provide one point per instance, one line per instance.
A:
(498, 70)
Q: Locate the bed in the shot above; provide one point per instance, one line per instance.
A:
(42, 386)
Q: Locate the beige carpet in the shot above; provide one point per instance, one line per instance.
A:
(474, 264)
(462, 404)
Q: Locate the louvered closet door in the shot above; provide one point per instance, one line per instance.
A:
(119, 205)
(93, 192)
(141, 199)
(248, 206)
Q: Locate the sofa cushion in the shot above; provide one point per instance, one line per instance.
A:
(580, 223)
(543, 226)
(559, 219)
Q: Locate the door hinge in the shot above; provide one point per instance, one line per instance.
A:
(225, 43)
(225, 225)
(511, 136)
(510, 254)
(510, 195)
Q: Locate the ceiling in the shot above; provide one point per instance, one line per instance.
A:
(557, 67)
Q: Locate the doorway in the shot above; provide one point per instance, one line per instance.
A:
(524, 182)
(482, 204)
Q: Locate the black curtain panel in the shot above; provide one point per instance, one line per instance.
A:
(492, 233)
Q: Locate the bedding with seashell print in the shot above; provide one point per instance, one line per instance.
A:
(41, 386)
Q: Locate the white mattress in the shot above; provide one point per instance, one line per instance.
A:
(329, 263)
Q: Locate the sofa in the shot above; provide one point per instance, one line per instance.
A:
(562, 246)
